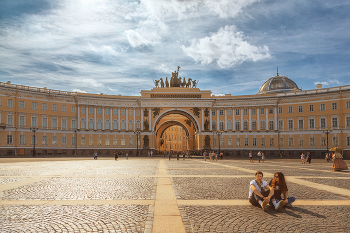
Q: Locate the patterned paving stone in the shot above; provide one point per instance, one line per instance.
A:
(9, 180)
(69, 188)
(253, 219)
(339, 183)
(208, 171)
(97, 218)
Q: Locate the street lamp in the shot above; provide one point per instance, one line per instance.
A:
(137, 132)
(34, 129)
(219, 134)
(327, 132)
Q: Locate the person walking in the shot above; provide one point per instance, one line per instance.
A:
(169, 155)
(95, 156)
(308, 157)
(251, 157)
(116, 156)
(205, 155)
(127, 156)
(178, 156)
(302, 156)
(263, 156)
(259, 156)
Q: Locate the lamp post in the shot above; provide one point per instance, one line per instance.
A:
(34, 129)
(327, 132)
(219, 134)
(137, 132)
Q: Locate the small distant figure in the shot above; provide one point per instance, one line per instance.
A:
(205, 155)
(169, 155)
(183, 156)
(116, 156)
(221, 155)
(127, 156)
(95, 155)
(308, 157)
(216, 156)
(262, 156)
(151, 154)
(259, 156)
(251, 157)
(302, 156)
(327, 157)
(210, 155)
(178, 156)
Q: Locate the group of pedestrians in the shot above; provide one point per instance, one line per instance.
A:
(305, 159)
(212, 155)
(274, 193)
(260, 154)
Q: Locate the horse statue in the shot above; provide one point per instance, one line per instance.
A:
(161, 82)
(188, 84)
(156, 83)
(194, 83)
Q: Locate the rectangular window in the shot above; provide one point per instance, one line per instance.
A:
(214, 141)
(262, 111)
(34, 105)
(263, 143)
(82, 110)
(246, 142)
(311, 108)
(301, 123)
(99, 141)
(322, 107)
(115, 124)
(131, 141)
(245, 125)
(290, 109)
(221, 125)
(21, 121)
(54, 107)
(290, 124)
(138, 112)
(229, 142)
(300, 108)
(281, 142)
(347, 121)
(347, 106)
(54, 123)
(271, 125)
(130, 111)
(323, 122)
(262, 125)
(73, 141)
(21, 104)
(311, 123)
(122, 142)
(83, 141)
(74, 124)
(115, 141)
(44, 141)
(253, 111)
(64, 140)
(99, 111)
(91, 141)
(334, 122)
(237, 125)
(290, 141)
(280, 110)
(107, 142)
(213, 125)
(237, 111)
(280, 124)
(64, 123)
(213, 112)
(44, 106)
(270, 110)
(115, 111)
(348, 141)
(334, 106)
(10, 119)
(64, 108)
(34, 140)
(238, 142)
(122, 111)
(272, 142)
(9, 140)
(54, 140)
(91, 110)
(335, 141)
(73, 109)
(21, 139)
(301, 141)
(312, 141)
(10, 103)
(221, 112)
(245, 112)
(229, 125)
(254, 141)
(45, 122)
(229, 111)
(323, 141)
(34, 121)
(254, 125)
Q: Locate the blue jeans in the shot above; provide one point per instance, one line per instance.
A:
(290, 200)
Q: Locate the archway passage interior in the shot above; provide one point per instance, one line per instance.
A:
(175, 131)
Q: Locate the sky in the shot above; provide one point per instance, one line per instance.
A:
(120, 47)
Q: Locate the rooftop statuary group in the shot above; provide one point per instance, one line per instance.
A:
(175, 81)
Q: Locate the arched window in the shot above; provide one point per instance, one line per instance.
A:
(221, 125)
(130, 125)
(82, 123)
(138, 125)
(229, 125)
(115, 124)
(99, 124)
(91, 124)
(122, 125)
(107, 124)
(214, 125)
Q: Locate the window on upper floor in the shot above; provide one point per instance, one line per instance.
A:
(290, 109)
(45, 106)
(334, 106)
(21, 104)
(300, 108)
(54, 107)
(91, 110)
(122, 111)
(253, 111)
(322, 107)
(237, 111)
(213, 112)
(64, 108)
(10, 103)
(270, 110)
(245, 111)
(280, 110)
(99, 111)
(262, 111)
(221, 112)
(311, 108)
(347, 105)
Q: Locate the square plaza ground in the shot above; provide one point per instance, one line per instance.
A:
(158, 195)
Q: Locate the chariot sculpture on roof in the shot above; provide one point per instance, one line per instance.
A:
(175, 81)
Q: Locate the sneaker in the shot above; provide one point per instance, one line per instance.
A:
(280, 205)
(264, 205)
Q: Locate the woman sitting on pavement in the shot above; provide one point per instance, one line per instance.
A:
(280, 187)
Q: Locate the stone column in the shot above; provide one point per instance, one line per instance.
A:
(150, 119)
(250, 119)
(210, 119)
(242, 119)
(118, 118)
(258, 118)
(126, 119)
(141, 119)
(79, 109)
(267, 117)
(95, 118)
(103, 118)
(275, 118)
(225, 112)
(87, 117)
(202, 119)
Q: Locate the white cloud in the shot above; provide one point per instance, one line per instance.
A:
(330, 82)
(78, 90)
(227, 47)
(103, 49)
(136, 39)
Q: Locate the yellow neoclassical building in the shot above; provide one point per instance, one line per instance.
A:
(280, 120)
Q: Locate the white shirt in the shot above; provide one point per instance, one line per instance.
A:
(253, 182)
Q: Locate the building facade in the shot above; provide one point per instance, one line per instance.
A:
(280, 120)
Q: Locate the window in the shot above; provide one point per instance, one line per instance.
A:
(73, 141)
(237, 125)
(99, 111)
(271, 125)
(213, 125)
(10, 103)
(44, 140)
(54, 122)
(254, 141)
(64, 108)
(229, 142)
(238, 142)
(99, 141)
(347, 106)
(301, 123)
(290, 124)
(34, 121)
(122, 111)
(312, 141)
(263, 143)
(214, 141)
(213, 112)
(9, 140)
(122, 142)
(138, 112)
(290, 141)
(54, 141)
(130, 111)
(334, 106)
(54, 107)
(122, 125)
(21, 121)
(311, 123)
(221, 125)
(64, 123)
(73, 124)
(229, 111)
(91, 141)
(21, 104)
(272, 141)
(115, 111)
(311, 108)
(270, 110)
(44, 122)
(99, 124)
(10, 119)
(280, 124)
(334, 122)
(34, 105)
(82, 110)
(347, 121)
(335, 141)
(348, 141)
(262, 125)
(21, 139)
(44, 106)
(254, 125)
(245, 111)
(34, 140)
(300, 108)
(64, 140)
(290, 109)
(281, 142)
(237, 111)
(323, 122)
(73, 109)
(323, 141)
(221, 112)
(115, 124)
(107, 124)
(107, 142)
(301, 141)
(322, 107)
(245, 125)
(82, 123)
(253, 111)
(262, 111)
(106, 111)
(91, 124)
(280, 110)
(115, 141)
(246, 142)
(83, 141)
(130, 125)
(229, 125)
(91, 110)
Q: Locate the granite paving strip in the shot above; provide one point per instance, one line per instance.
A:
(167, 216)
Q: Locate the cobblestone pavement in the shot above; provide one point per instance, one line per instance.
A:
(86, 195)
